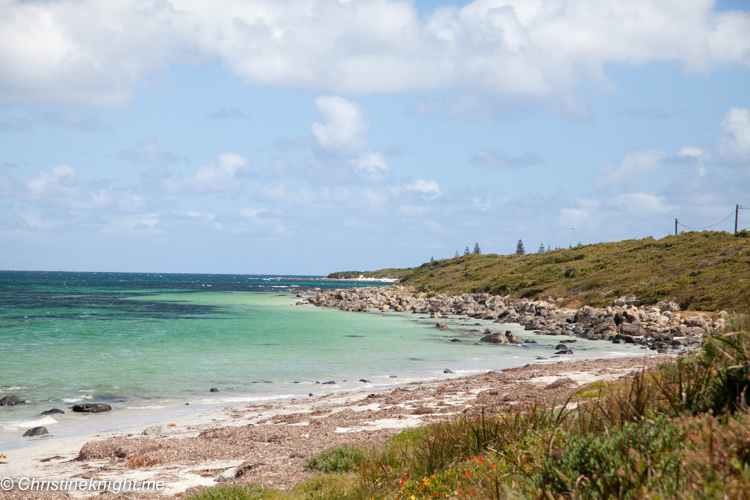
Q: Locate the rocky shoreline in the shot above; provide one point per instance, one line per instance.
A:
(659, 327)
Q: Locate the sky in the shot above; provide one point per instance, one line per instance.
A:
(312, 136)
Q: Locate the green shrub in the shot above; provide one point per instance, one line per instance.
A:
(340, 459)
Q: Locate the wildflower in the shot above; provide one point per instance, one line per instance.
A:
(434, 476)
(494, 466)
(435, 495)
(481, 460)
(472, 458)
(468, 473)
(406, 476)
(471, 492)
(402, 481)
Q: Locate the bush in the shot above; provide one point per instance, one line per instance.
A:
(340, 459)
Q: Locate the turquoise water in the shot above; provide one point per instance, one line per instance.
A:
(148, 344)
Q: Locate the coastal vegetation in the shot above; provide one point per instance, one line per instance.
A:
(681, 430)
(390, 273)
(703, 271)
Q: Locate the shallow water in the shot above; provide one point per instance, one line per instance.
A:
(148, 344)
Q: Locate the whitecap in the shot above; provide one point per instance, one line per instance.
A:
(28, 424)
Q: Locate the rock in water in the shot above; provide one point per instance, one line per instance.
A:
(53, 411)
(213, 389)
(364, 381)
(561, 347)
(10, 400)
(36, 431)
(330, 382)
(447, 370)
(497, 338)
(441, 325)
(511, 337)
(92, 408)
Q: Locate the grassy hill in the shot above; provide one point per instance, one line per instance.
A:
(390, 273)
(707, 271)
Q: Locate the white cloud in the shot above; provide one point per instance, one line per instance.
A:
(642, 204)
(496, 158)
(252, 213)
(734, 146)
(692, 152)
(148, 151)
(431, 188)
(345, 125)
(93, 52)
(60, 186)
(217, 177)
(371, 167)
(628, 172)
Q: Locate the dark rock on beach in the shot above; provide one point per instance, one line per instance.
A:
(10, 400)
(447, 370)
(36, 431)
(53, 411)
(213, 389)
(561, 347)
(330, 382)
(92, 408)
(364, 381)
(441, 325)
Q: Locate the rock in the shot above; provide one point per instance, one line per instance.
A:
(497, 338)
(566, 351)
(385, 308)
(225, 476)
(330, 382)
(155, 430)
(631, 329)
(603, 329)
(671, 307)
(511, 337)
(621, 302)
(53, 411)
(364, 381)
(435, 315)
(310, 394)
(92, 408)
(455, 340)
(36, 431)
(561, 347)
(447, 370)
(213, 389)
(441, 325)
(529, 341)
(10, 400)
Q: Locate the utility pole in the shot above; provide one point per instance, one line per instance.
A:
(736, 213)
(675, 227)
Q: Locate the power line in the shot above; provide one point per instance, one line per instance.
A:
(706, 227)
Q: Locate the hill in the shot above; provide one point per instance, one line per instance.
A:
(390, 273)
(706, 270)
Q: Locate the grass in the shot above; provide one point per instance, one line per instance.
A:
(706, 271)
(681, 430)
(391, 273)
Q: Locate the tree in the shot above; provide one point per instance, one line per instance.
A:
(476, 249)
(466, 252)
(570, 245)
(541, 248)
(456, 256)
(432, 259)
(579, 244)
(548, 248)
(519, 248)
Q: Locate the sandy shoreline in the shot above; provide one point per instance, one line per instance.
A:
(273, 439)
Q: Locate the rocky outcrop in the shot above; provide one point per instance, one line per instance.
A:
(10, 400)
(36, 431)
(660, 327)
(92, 408)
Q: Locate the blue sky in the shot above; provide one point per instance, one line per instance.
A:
(304, 137)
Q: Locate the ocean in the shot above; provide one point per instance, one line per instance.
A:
(153, 345)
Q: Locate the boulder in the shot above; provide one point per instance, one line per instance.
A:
(632, 329)
(496, 338)
(447, 370)
(36, 431)
(601, 329)
(53, 411)
(92, 408)
(213, 389)
(567, 351)
(225, 476)
(561, 347)
(511, 337)
(441, 325)
(10, 400)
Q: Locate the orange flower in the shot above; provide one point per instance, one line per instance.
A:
(406, 476)
(471, 492)
(468, 473)
(481, 460)
(494, 466)
(402, 481)
(435, 495)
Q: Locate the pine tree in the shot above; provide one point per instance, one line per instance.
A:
(456, 256)
(432, 259)
(548, 248)
(519, 248)
(570, 245)
(541, 248)
(579, 244)
(466, 252)
(476, 249)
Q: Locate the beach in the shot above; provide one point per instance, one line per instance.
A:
(269, 442)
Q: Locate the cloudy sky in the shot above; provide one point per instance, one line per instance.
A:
(310, 136)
